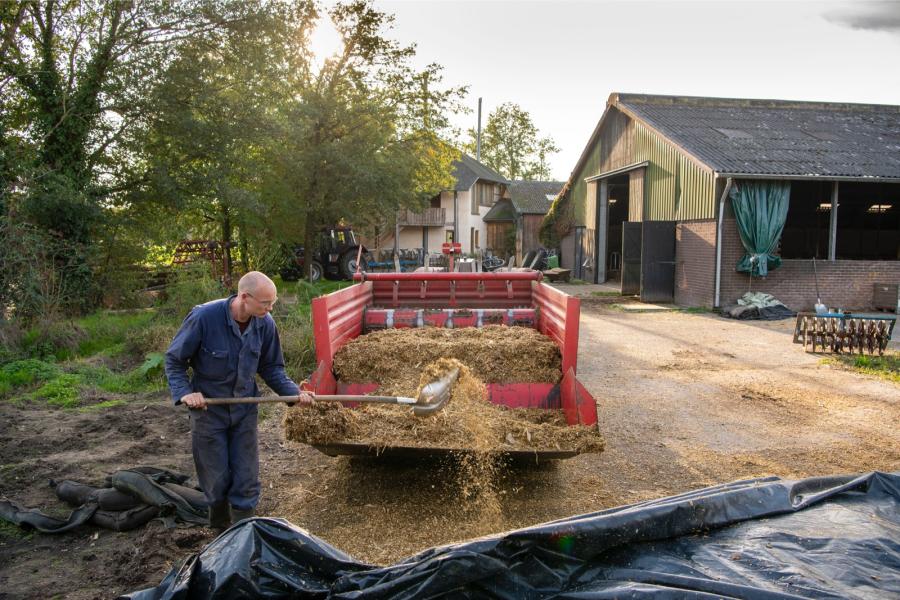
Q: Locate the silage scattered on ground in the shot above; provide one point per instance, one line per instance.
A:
(476, 431)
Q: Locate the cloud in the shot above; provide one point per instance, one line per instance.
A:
(871, 16)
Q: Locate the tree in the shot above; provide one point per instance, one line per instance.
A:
(511, 145)
(75, 76)
(365, 134)
(213, 136)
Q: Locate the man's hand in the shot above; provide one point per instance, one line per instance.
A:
(195, 400)
(303, 398)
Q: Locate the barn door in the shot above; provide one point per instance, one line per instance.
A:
(631, 258)
(658, 261)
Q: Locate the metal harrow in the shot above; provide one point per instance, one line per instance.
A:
(843, 332)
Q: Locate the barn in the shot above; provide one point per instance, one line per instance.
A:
(697, 200)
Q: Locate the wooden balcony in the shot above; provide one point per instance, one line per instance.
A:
(429, 217)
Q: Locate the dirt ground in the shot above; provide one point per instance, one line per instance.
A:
(685, 400)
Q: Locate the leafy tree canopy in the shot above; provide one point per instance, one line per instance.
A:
(512, 145)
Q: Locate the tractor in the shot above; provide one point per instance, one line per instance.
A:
(335, 257)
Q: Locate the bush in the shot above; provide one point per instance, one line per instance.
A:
(43, 275)
(54, 339)
(154, 338)
(25, 372)
(10, 341)
(145, 378)
(193, 285)
(109, 332)
(295, 331)
(61, 391)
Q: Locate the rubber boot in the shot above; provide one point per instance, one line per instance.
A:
(219, 517)
(240, 515)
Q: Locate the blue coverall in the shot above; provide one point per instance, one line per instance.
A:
(225, 363)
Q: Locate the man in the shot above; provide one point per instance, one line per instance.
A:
(227, 342)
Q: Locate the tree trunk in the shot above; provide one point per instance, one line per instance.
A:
(227, 234)
(310, 245)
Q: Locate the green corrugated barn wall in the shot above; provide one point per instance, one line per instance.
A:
(578, 193)
(677, 189)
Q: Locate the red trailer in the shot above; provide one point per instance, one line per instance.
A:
(419, 299)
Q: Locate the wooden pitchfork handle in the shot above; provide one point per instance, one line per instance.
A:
(316, 397)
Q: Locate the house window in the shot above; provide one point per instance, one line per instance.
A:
(448, 236)
(486, 197)
(436, 201)
(477, 242)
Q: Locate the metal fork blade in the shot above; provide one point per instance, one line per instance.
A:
(436, 394)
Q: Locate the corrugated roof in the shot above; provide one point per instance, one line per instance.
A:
(467, 171)
(776, 137)
(533, 197)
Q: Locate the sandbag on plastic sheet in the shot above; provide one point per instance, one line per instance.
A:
(833, 537)
(162, 490)
(76, 494)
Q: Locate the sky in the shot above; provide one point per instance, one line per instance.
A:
(560, 61)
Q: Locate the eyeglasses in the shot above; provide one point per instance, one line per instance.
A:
(263, 302)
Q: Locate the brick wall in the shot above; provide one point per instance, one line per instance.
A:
(695, 259)
(846, 284)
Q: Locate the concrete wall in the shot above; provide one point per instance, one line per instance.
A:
(846, 284)
(695, 259)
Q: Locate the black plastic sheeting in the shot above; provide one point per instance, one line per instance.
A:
(835, 537)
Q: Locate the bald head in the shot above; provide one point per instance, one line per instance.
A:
(256, 296)
(254, 282)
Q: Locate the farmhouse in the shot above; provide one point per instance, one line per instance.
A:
(652, 201)
(513, 224)
(454, 215)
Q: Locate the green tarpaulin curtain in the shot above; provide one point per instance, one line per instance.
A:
(760, 208)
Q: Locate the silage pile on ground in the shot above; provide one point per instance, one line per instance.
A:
(468, 422)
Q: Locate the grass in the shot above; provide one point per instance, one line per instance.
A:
(606, 294)
(61, 391)
(107, 332)
(69, 350)
(25, 372)
(884, 367)
(103, 332)
(10, 531)
(135, 381)
(102, 405)
(697, 310)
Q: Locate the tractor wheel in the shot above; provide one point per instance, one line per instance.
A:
(316, 271)
(290, 273)
(348, 264)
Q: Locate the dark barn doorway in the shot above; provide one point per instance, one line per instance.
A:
(617, 213)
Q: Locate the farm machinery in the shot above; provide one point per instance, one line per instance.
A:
(843, 332)
(335, 257)
(453, 300)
